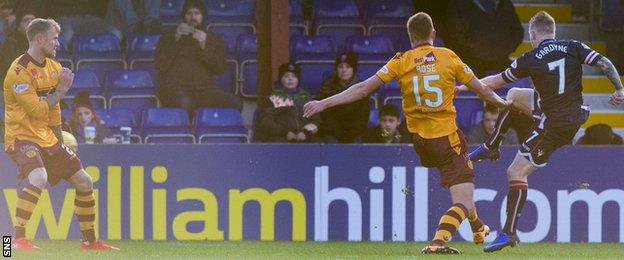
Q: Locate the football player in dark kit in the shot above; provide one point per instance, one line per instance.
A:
(555, 66)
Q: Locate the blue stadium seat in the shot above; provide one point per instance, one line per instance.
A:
(148, 66)
(373, 118)
(249, 78)
(367, 69)
(220, 125)
(297, 25)
(371, 48)
(98, 53)
(66, 114)
(313, 74)
(230, 34)
(612, 15)
(319, 47)
(468, 109)
(387, 13)
(338, 19)
(166, 125)
(86, 81)
(2, 112)
(116, 118)
(230, 11)
(246, 47)
(63, 55)
(141, 47)
(170, 11)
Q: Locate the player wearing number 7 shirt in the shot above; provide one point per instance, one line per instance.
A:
(427, 76)
(557, 101)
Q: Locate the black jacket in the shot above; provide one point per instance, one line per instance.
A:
(344, 122)
(184, 64)
(275, 123)
(374, 135)
(483, 41)
(12, 48)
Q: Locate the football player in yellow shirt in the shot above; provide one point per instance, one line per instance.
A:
(33, 87)
(427, 76)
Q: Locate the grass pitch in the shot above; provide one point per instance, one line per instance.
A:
(316, 250)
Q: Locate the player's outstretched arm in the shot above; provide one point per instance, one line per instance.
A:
(353, 93)
(486, 93)
(493, 82)
(609, 69)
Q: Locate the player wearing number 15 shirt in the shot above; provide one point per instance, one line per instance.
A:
(427, 76)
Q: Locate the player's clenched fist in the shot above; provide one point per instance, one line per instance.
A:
(66, 79)
(313, 107)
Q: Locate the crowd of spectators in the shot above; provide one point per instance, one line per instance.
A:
(189, 57)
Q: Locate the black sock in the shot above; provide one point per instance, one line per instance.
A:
(515, 202)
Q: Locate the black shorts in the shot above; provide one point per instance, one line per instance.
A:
(449, 155)
(544, 141)
(59, 160)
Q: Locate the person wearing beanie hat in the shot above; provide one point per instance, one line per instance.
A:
(345, 122)
(187, 60)
(17, 44)
(83, 115)
(281, 114)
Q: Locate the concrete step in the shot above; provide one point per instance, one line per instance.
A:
(576, 31)
(615, 119)
(525, 46)
(561, 12)
(597, 85)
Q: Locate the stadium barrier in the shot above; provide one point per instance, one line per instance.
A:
(317, 192)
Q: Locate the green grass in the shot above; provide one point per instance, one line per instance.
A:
(317, 250)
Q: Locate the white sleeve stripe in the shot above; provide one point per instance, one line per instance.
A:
(593, 58)
(510, 75)
(588, 57)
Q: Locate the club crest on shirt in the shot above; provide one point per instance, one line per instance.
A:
(35, 73)
(20, 88)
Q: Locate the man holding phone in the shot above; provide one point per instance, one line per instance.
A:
(187, 59)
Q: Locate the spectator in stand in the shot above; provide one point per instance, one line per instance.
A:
(77, 16)
(83, 115)
(388, 131)
(141, 16)
(17, 44)
(187, 60)
(481, 132)
(599, 134)
(483, 33)
(281, 116)
(7, 18)
(345, 122)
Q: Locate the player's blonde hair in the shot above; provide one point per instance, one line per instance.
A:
(542, 23)
(40, 26)
(420, 26)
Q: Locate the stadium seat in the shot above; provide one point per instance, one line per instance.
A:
(116, 118)
(170, 11)
(249, 78)
(468, 111)
(86, 81)
(371, 48)
(148, 66)
(98, 53)
(387, 13)
(373, 117)
(297, 25)
(166, 125)
(313, 74)
(230, 34)
(319, 47)
(220, 125)
(141, 48)
(63, 55)
(230, 12)
(338, 19)
(367, 69)
(246, 47)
